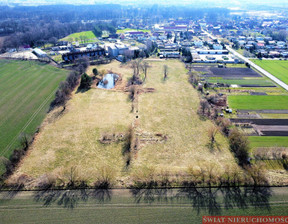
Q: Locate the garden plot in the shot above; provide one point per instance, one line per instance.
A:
(266, 127)
(244, 77)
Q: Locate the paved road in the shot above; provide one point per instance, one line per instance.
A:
(264, 72)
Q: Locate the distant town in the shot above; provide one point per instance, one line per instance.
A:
(143, 113)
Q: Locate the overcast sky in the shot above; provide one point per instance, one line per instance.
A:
(228, 3)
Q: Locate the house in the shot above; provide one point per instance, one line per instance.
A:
(260, 45)
(202, 51)
(112, 50)
(217, 47)
(198, 43)
(259, 38)
(281, 43)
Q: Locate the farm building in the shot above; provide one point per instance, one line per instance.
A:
(202, 51)
(71, 56)
(39, 53)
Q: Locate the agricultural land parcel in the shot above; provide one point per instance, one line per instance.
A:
(238, 75)
(72, 140)
(277, 68)
(26, 90)
(268, 141)
(258, 102)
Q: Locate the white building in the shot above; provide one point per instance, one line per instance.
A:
(217, 47)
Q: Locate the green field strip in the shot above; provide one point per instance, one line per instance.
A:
(269, 102)
(268, 141)
(277, 68)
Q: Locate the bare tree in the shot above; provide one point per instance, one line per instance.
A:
(204, 109)
(212, 131)
(136, 65)
(165, 71)
(145, 66)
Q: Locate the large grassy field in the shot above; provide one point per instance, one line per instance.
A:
(268, 141)
(172, 110)
(26, 90)
(154, 206)
(130, 30)
(258, 102)
(85, 36)
(72, 139)
(277, 68)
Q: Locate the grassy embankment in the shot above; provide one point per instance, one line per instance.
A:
(72, 140)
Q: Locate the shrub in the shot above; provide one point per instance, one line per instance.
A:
(255, 175)
(224, 125)
(95, 71)
(239, 145)
(204, 109)
(86, 81)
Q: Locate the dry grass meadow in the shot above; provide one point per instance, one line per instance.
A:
(71, 140)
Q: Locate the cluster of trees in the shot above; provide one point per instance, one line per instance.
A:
(39, 34)
(85, 82)
(137, 66)
(186, 54)
(99, 28)
(281, 35)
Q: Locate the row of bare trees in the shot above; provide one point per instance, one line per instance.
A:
(65, 88)
(139, 65)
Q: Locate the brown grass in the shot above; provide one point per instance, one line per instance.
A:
(167, 116)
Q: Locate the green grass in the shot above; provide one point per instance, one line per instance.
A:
(240, 51)
(268, 141)
(128, 30)
(83, 37)
(26, 90)
(277, 68)
(260, 82)
(258, 102)
(122, 205)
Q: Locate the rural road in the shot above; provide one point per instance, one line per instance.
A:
(258, 68)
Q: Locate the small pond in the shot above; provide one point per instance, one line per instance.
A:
(108, 81)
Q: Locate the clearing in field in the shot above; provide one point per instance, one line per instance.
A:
(82, 37)
(258, 102)
(72, 140)
(277, 68)
(26, 90)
